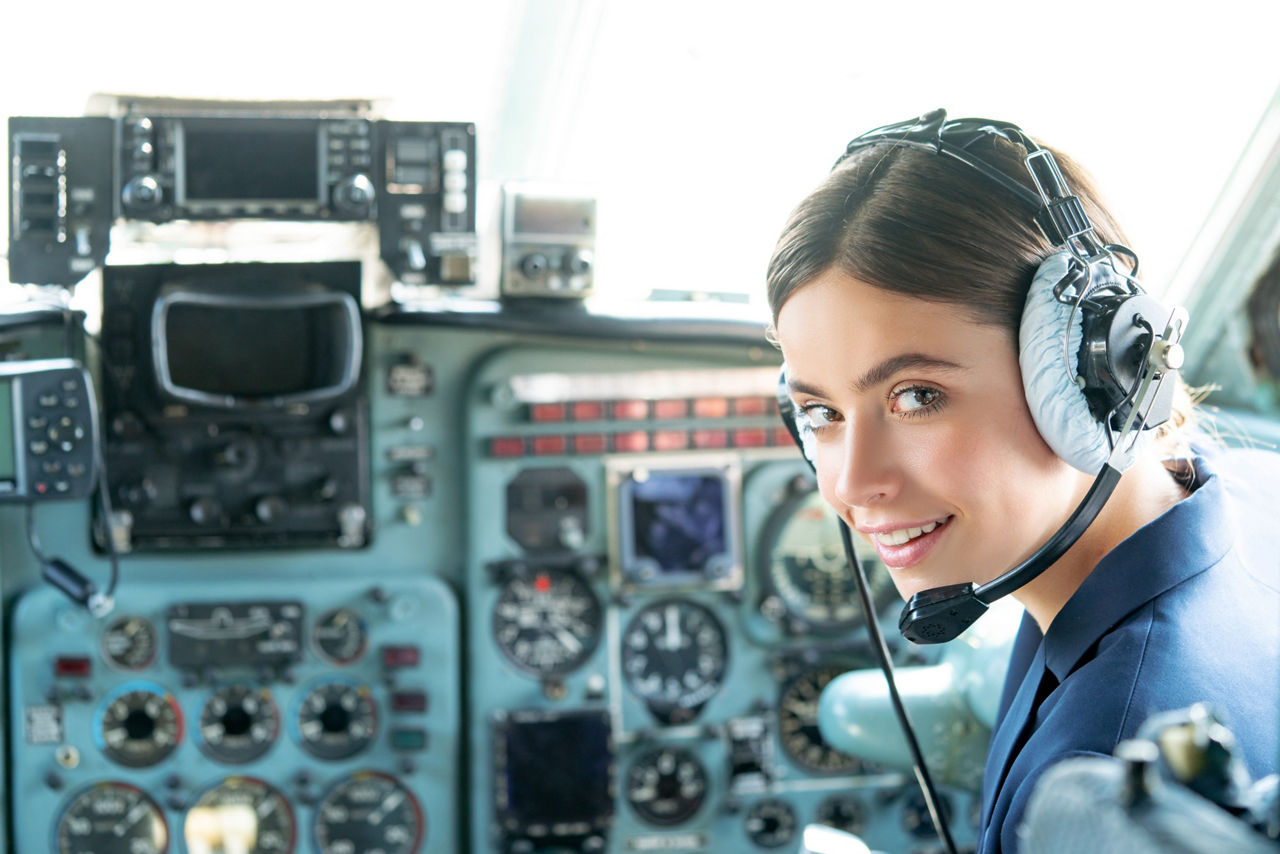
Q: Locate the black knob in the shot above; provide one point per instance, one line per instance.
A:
(205, 511)
(270, 508)
(534, 266)
(142, 195)
(54, 781)
(578, 263)
(353, 196)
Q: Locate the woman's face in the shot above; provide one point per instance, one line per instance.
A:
(925, 445)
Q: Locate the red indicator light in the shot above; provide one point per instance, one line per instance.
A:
(72, 666)
(394, 657)
(670, 440)
(587, 410)
(710, 439)
(782, 437)
(590, 443)
(751, 406)
(549, 446)
(749, 437)
(711, 407)
(631, 410)
(668, 409)
(506, 446)
(542, 582)
(635, 441)
(542, 413)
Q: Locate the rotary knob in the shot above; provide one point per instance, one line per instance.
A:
(142, 195)
(353, 196)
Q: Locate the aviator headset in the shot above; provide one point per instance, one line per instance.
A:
(1097, 353)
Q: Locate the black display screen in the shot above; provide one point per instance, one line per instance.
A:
(675, 521)
(269, 162)
(256, 351)
(8, 439)
(556, 774)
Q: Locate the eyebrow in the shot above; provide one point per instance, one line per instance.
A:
(883, 371)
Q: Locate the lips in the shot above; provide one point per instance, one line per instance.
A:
(903, 547)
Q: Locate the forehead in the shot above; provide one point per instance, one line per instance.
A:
(839, 323)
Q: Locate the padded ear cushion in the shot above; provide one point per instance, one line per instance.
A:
(1058, 406)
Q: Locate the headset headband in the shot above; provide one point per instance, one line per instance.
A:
(1059, 213)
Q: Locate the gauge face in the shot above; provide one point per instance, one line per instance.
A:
(798, 725)
(340, 635)
(138, 725)
(336, 720)
(674, 656)
(238, 724)
(129, 643)
(112, 818)
(369, 812)
(241, 814)
(771, 823)
(548, 621)
(804, 566)
(843, 812)
(666, 786)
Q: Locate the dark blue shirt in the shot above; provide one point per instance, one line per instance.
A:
(1185, 610)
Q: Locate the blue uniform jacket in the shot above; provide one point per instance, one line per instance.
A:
(1185, 610)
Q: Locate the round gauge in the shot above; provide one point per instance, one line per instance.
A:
(340, 635)
(771, 823)
(674, 656)
(129, 643)
(238, 724)
(138, 724)
(667, 786)
(798, 725)
(804, 566)
(112, 817)
(241, 814)
(547, 621)
(369, 811)
(915, 814)
(843, 812)
(336, 720)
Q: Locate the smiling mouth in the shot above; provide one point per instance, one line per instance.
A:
(905, 535)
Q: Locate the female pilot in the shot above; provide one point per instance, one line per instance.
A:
(904, 290)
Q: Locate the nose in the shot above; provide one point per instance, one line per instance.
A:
(867, 470)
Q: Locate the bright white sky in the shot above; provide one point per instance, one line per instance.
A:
(700, 124)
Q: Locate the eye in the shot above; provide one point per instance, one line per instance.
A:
(819, 416)
(915, 399)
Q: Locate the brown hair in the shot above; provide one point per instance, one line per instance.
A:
(928, 226)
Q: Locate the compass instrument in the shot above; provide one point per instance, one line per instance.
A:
(547, 621)
(129, 643)
(674, 656)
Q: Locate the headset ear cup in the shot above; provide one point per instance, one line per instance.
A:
(1058, 406)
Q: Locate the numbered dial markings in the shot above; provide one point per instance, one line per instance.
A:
(337, 720)
(369, 812)
(547, 622)
(798, 724)
(674, 656)
(771, 823)
(112, 817)
(129, 643)
(244, 815)
(667, 786)
(340, 636)
(139, 725)
(238, 724)
(804, 566)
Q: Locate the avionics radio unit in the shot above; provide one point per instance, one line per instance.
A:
(233, 405)
(72, 177)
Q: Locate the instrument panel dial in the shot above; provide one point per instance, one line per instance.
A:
(803, 565)
(798, 724)
(241, 814)
(336, 720)
(129, 643)
(369, 811)
(112, 818)
(340, 636)
(667, 786)
(547, 621)
(674, 656)
(238, 724)
(138, 725)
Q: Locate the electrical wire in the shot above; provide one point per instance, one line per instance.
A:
(921, 770)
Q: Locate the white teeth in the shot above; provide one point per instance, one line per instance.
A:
(897, 538)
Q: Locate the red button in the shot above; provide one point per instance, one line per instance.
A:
(549, 446)
(670, 440)
(751, 405)
(72, 666)
(711, 407)
(631, 410)
(668, 409)
(749, 437)
(541, 413)
(635, 441)
(710, 438)
(394, 657)
(506, 446)
(590, 443)
(587, 410)
(409, 701)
